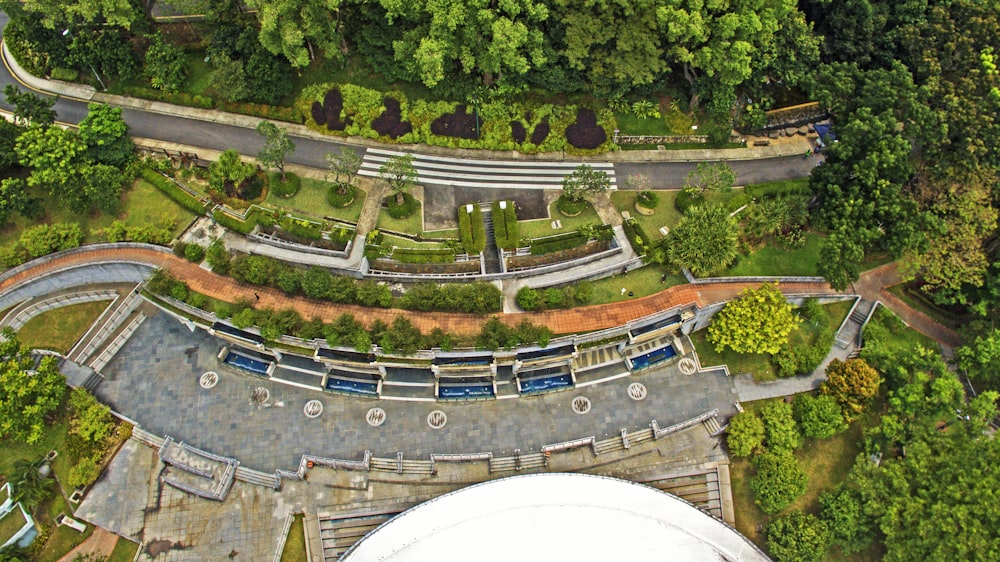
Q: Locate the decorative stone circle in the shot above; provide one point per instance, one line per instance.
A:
(259, 395)
(687, 366)
(637, 391)
(313, 409)
(437, 419)
(208, 379)
(581, 404)
(375, 417)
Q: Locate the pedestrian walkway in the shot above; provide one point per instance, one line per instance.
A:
(466, 172)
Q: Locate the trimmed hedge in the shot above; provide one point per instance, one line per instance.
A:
(423, 255)
(64, 74)
(179, 98)
(778, 188)
(506, 231)
(558, 242)
(232, 223)
(637, 236)
(274, 112)
(478, 298)
(471, 230)
(173, 191)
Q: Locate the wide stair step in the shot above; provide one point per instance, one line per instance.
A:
(339, 534)
(93, 381)
(257, 477)
(712, 425)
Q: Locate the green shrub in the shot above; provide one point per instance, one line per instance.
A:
(688, 198)
(423, 255)
(339, 200)
(528, 298)
(647, 199)
(505, 227)
(179, 98)
(285, 188)
(218, 257)
(194, 252)
(739, 200)
(778, 188)
(173, 191)
(84, 473)
(802, 359)
(301, 227)
(476, 298)
(569, 207)
(471, 229)
(233, 223)
(64, 74)
(558, 242)
(637, 236)
(401, 211)
(44, 239)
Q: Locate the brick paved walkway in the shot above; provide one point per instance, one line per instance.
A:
(582, 319)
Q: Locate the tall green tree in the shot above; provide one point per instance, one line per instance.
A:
(346, 162)
(29, 108)
(778, 480)
(28, 394)
(277, 146)
(852, 383)
(585, 182)
(106, 135)
(295, 28)
(398, 172)
(704, 241)
(744, 434)
(56, 14)
(711, 176)
(758, 321)
(165, 64)
(798, 537)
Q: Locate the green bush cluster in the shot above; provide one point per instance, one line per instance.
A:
(146, 233)
(341, 195)
(301, 227)
(471, 230)
(505, 228)
(423, 255)
(233, 223)
(41, 240)
(477, 298)
(637, 236)
(401, 211)
(290, 186)
(777, 189)
(64, 74)
(688, 198)
(579, 294)
(363, 105)
(570, 207)
(173, 191)
(558, 242)
(647, 199)
(191, 252)
(801, 359)
(496, 335)
(179, 98)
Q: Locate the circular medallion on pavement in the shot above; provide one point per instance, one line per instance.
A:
(437, 419)
(581, 404)
(375, 417)
(313, 409)
(259, 395)
(637, 391)
(208, 379)
(687, 366)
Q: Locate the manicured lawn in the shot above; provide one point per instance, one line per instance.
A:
(775, 260)
(11, 524)
(59, 329)
(759, 364)
(63, 539)
(665, 214)
(199, 75)
(125, 551)
(543, 227)
(901, 338)
(295, 544)
(144, 205)
(54, 437)
(631, 125)
(412, 224)
(311, 200)
(642, 282)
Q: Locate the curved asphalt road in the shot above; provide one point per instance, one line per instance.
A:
(311, 152)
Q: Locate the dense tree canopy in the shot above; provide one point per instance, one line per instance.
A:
(758, 321)
(27, 394)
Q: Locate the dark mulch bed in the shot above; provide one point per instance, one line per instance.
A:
(540, 133)
(389, 124)
(328, 113)
(523, 262)
(458, 124)
(585, 132)
(420, 268)
(518, 132)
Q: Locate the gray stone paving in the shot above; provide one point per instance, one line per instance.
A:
(154, 380)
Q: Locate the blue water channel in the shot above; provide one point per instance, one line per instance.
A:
(653, 357)
(546, 383)
(466, 391)
(248, 364)
(352, 387)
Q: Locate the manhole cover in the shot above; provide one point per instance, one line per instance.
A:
(581, 404)
(375, 417)
(437, 419)
(259, 395)
(208, 379)
(637, 391)
(313, 409)
(687, 366)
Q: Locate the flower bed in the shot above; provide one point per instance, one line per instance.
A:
(357, 111)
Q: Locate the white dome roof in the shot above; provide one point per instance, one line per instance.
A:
(554, 517)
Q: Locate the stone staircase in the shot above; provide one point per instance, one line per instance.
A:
(490, 254)
(596, 357)
(850, 333)
(250, 476)
(713, 427)
(699, 486)
(338, 533)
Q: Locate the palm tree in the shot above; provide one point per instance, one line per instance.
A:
(30, 486)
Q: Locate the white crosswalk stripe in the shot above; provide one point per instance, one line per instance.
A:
(497, 174)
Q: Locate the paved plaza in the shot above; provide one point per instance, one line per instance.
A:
(154, 380)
